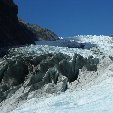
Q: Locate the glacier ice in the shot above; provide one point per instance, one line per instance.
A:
(94, 91)
(93, 99)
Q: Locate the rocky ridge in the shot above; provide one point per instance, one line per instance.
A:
(42, 33)
(14, 32)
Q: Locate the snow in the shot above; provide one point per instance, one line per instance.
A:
(96, 99)
(95, 95)
(97, 46)
(44, 49)
(60, 37)
(105, 43)
(99, 40)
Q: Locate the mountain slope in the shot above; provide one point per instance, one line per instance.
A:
(14, 32)
(42, 33)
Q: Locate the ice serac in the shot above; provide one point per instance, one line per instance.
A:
(25, 74)
(58, 79)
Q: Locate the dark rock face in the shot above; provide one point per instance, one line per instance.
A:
(42, 33)
(12, 32)
(3, 51)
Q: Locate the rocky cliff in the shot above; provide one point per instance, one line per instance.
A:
(42, 33)
(14, 32)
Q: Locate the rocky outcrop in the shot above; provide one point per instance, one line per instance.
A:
(14, 32)
(42, 33)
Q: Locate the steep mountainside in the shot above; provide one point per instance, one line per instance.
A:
(42, 33)
(14, 32)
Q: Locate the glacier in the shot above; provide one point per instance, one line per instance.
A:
(96, 99)
(94, 91)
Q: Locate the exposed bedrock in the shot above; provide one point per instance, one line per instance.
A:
(14, 32)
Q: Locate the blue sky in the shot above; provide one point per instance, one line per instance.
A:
(69, 17)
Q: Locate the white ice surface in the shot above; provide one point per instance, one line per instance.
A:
(104, 43)
(96, 98)
(104, 46)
